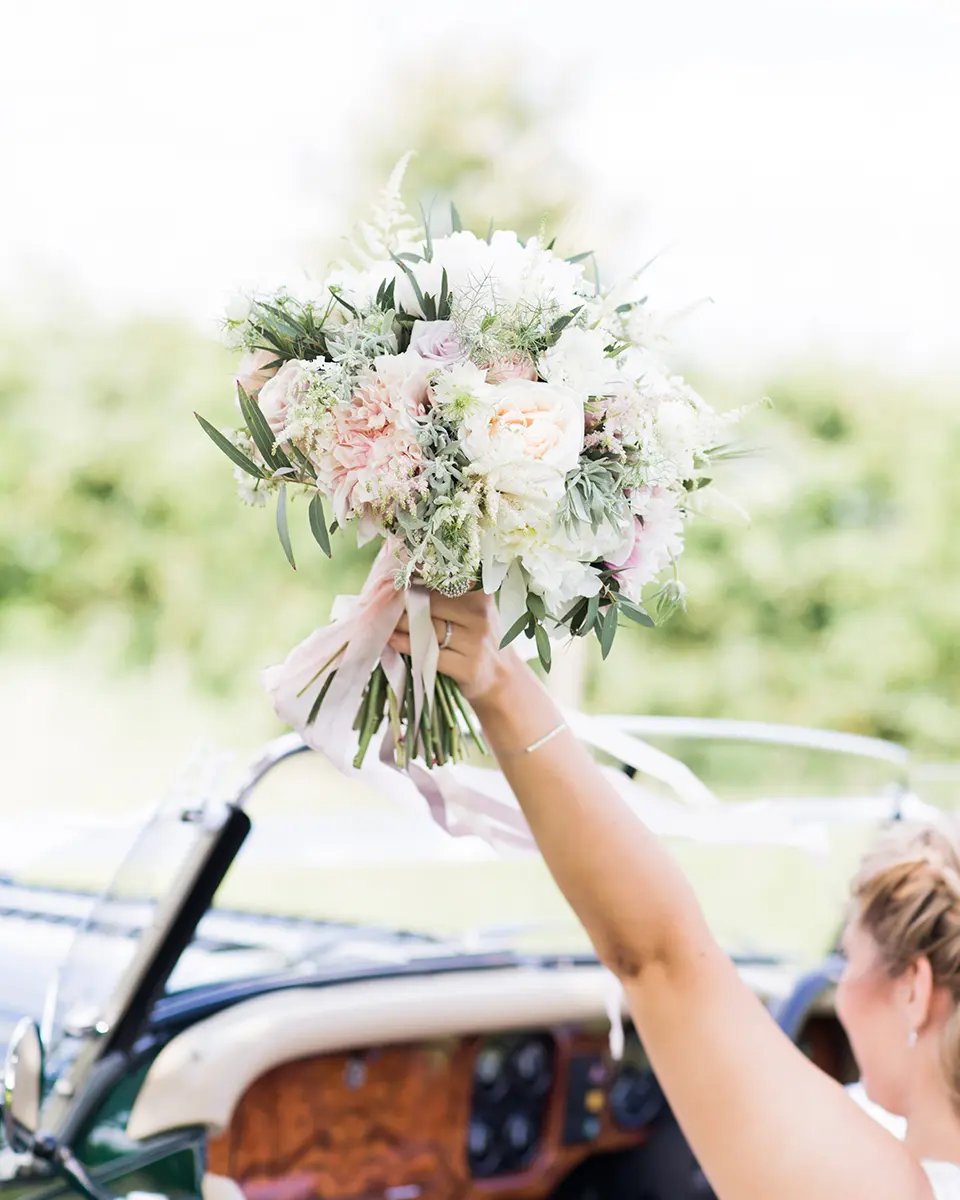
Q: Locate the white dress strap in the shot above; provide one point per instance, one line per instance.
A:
(945, 1179)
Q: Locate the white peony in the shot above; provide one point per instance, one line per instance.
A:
(558, 577)
(523, 438)
(579, 360)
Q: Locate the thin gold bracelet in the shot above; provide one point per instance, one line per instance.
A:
(547, 737)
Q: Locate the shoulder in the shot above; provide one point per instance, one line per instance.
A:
(945, 1180)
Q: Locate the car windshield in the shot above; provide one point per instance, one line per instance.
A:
(340, 874)
(111, 926)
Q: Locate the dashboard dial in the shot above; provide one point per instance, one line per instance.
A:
(512, 1079)
(519, 1132)
(532, 1067)
(635, 1098)
(490, 1072)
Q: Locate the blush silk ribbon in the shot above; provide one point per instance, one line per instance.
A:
(462, 800)
(352, 646)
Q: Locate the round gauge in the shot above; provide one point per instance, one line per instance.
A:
(532, 1067)
(483, 1152)
(479, 1139)
(518, 1132)
(635, 1098)
(490, 1072)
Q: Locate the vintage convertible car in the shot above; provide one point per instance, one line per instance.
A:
(283, 1015)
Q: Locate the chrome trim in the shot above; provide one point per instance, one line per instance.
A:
(279, 750)
(760, 731)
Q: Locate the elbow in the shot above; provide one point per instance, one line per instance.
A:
(628, 960)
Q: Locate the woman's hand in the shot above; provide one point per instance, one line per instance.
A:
(468, 630)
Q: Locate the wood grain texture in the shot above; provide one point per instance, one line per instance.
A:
(352, 1127)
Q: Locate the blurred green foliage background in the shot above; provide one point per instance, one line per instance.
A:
(120, 530)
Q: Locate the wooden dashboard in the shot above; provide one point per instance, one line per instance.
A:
(396, 1123)
(400, 1122)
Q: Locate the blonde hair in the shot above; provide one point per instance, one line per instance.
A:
(907, 897)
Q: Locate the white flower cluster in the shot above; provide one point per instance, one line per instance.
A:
(482, 403)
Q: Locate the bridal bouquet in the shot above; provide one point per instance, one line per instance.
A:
(498, 420)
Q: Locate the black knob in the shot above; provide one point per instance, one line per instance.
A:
(490, 1073)
(635, 1098)
(479, 1139)
(483, 1152)
(532, 1068)
(518, 1132)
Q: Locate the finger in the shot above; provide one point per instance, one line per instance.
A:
(443, 609)
(469, 609)
(449, 662)
(440, 626)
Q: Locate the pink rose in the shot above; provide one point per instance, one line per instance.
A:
(279, 394)
(518, 366)
(253, 371)
(437, 342)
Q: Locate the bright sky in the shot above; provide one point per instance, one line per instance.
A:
(798, 160)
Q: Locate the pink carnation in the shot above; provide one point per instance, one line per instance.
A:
(367, 455)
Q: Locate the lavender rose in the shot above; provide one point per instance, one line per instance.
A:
(437, 342)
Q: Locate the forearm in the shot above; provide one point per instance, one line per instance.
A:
(631, 897)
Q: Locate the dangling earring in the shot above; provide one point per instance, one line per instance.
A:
(912, 1038)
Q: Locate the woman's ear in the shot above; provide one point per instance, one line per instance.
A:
(918, 992)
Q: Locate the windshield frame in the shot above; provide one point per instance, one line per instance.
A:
(220, 832)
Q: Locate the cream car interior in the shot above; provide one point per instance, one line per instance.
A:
(460, 1084)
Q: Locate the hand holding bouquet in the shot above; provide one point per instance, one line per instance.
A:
(499, 421)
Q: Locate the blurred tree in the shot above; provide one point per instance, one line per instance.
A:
(488, 136)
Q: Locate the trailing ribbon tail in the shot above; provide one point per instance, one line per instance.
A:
(349, 649)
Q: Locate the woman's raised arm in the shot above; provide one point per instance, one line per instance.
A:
(763, 1121)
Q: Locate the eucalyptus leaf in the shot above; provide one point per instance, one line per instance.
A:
(229, 449)
(536, 606)
(318, 525)
(593, 611)
(576, 258)
(515, 630)
(456, 225)
(634, 612)
(282, 527)
(543, 647)
(304, 462)
(608, 630)
(261, 432)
